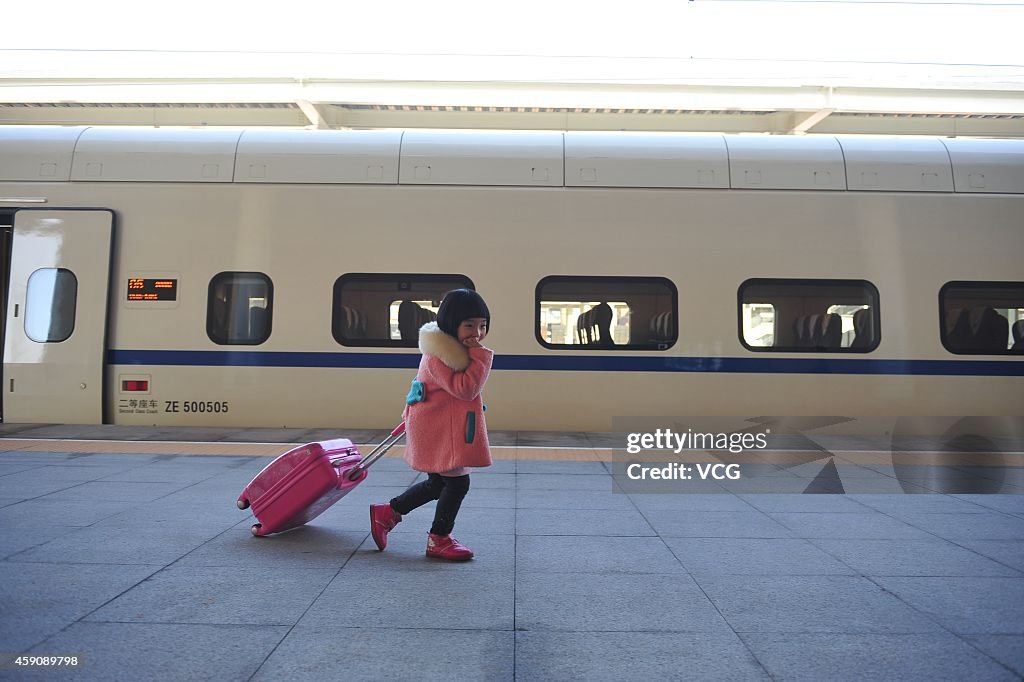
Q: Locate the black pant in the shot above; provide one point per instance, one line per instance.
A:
(447, 490)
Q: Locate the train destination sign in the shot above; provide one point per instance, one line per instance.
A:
(142, 289)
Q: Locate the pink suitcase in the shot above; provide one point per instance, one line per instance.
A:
(304, 482)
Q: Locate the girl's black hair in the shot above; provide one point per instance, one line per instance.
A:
(459, 305)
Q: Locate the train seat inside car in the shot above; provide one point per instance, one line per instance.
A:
(863, 335)
(594, 327)
(978, 330)
(989, 330)
(660, 328)
(819, 332)
(350, 324)
(831, 328)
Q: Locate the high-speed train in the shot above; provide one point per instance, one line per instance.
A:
(278, 277)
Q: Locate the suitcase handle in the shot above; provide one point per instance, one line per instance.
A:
(378, 452)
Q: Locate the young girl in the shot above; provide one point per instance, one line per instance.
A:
(444, 421)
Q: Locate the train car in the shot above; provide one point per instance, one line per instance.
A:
(277, 277)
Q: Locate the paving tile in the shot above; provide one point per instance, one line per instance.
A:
(173, 470)
(866, 526)
(834, 603)
(13, 467)
(603, 522)
(535, 466)
(933, 557)
(857, 657)
(595, 482)
(715, 524)
(475, 601)
(898, 504)
(613, 602)
(973, 605)
(691, 502)
(218, 595)
(40, 600)
(340, 653)
(616, 656)
(582, 554)
(36, 482)
(116, 491)
(303, 547)
(216, 512)
(1007, 649)
(490, 498)
(159, 652)
(1011, 504)
(983, 526)
(159, 544)
(15, 540)
(36, 513)
(754, 556)
(805, 503)
(572, 499)
(1007, 552)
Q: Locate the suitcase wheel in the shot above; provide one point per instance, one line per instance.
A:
(256, 529)
(243, 504)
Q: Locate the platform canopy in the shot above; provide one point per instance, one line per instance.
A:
(776, 67)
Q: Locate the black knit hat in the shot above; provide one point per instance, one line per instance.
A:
(459, 305)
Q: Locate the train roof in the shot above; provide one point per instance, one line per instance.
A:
(511, 158)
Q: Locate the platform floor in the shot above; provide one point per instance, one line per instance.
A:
(125, 548)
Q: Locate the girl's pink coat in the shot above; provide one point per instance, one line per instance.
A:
(453, 377)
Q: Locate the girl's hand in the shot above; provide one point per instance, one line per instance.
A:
(472, 342)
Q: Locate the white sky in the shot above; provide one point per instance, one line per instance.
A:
(531, 40)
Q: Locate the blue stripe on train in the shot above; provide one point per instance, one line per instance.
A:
(577, 363)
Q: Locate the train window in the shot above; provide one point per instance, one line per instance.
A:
(50, 301)
(380, 309)
(606, 313)
(809, 315)
(982, 318)
(239, 308)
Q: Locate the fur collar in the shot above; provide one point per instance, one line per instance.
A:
(445, 348)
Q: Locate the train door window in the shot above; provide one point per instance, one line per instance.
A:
(239, 308)
(982, 318)
(50, 300)
(809, 315)
(380, 309)
(606, 313)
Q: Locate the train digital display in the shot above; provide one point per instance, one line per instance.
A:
(141, 289)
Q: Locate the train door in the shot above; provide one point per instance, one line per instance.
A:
(6, 228)
(56, 318)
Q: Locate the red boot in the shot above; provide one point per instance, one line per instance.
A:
(382, 519)
(447, 547)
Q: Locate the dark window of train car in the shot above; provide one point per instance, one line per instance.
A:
(50, 301)
(380, 309)
(809, 315)
(606, 313)
(982, 318)
(239, 308)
